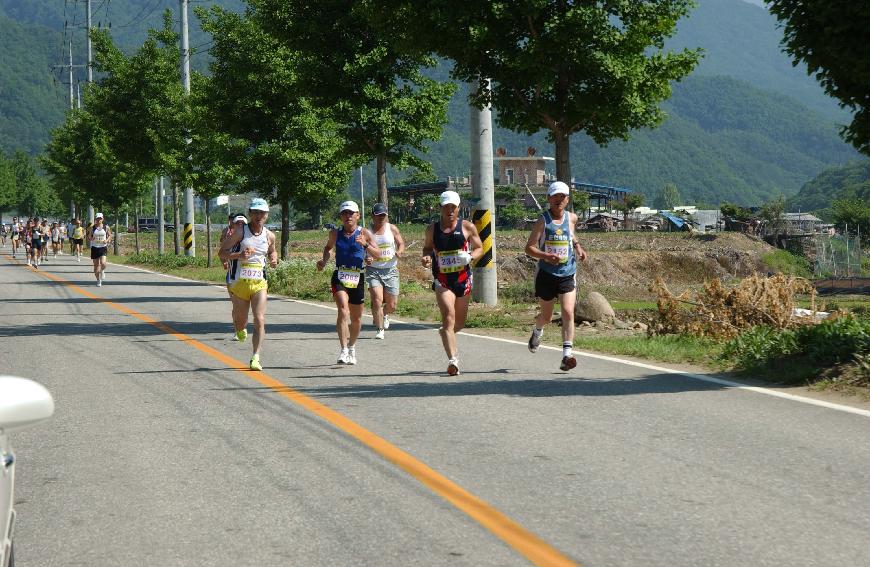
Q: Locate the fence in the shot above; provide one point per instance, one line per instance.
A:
(837, 256)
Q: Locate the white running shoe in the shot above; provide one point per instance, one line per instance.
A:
(453, 367)
(380, 334)
(99, 283)
(342, 356)
(79, 258)
(351, 355)
(386, 322)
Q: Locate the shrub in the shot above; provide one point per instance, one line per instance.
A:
(298, 277)
(167, 261)
(759, 345)
(835, 340)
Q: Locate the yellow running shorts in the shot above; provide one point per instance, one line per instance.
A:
(245, 289)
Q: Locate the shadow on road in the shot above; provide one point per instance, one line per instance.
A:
(529, 388)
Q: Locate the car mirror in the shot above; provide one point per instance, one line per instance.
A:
(23, 403)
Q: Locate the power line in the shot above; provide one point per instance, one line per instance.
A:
(137, 19)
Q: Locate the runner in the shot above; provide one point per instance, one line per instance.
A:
(70, 230)
(228, 230)
(447, 242)
(99, 237)
(16, 235)
(45, 231)
(236, 223)
(351, 243)
(382, 275)
(55, 239)
(247, 251)
(557, 250)
(3, 232)
(34, 238)
(78, 239)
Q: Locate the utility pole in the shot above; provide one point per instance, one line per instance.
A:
(485, 289)
(69, 67)
(189, 243)
(90, 80)
(160, 228)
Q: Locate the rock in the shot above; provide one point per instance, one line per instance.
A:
(621, 325)
(640, 326)
(593, 307)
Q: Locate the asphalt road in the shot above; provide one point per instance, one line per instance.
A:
(164, 451)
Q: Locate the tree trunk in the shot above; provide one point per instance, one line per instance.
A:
(381, 165)
(285, 228)
(175, 218)
(207, 233)
(116, 249)
(138, 207)
(563, 163)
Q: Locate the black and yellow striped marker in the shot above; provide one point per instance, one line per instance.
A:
(483, 222)
(188, 236)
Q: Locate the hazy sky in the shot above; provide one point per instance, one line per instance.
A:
(756, 2)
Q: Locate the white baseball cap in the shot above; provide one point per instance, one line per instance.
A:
(98, 216)
(450, 198)
(240, 218)
(558, 188)
(348, 206)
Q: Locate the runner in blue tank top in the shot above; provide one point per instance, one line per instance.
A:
(553, 243)
(351, 243)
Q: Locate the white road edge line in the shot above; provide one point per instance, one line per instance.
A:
(701, 377)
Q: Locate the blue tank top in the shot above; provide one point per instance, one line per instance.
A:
(349, 254)
(557, 240)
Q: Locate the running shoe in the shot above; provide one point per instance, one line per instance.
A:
(386, 322)
(99, 283)
(242, 335)
(342, 356)
(255, 363)
(79, 258)
(379, 334)
(568, 362)
(453, 367)
(535, 340)
(351, 355)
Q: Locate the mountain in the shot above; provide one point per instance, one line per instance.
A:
(745, 127)
(852, 180)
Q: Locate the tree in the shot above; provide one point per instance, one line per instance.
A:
(824, 35)
(854, 213)
(287, 148)
(142, 106)
(772, 212)
(668, 197)
(385, 107)
(564, 67)
(8, 190)
(632, 201)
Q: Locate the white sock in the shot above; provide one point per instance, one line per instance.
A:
(566, 349)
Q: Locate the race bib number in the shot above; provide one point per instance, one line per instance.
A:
(387, 252)
(559, 248)
(349, 277)
(251, 272)
(450, 261)
(99, 239)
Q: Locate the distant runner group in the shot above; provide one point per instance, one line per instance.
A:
(362, 257)
(370, 256)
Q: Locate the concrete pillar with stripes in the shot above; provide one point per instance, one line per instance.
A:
(485, 285)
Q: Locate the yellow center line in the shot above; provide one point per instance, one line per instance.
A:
(526, 543)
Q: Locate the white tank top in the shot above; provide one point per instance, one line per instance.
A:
(252, 267)
(100, 239)
(387, 243)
